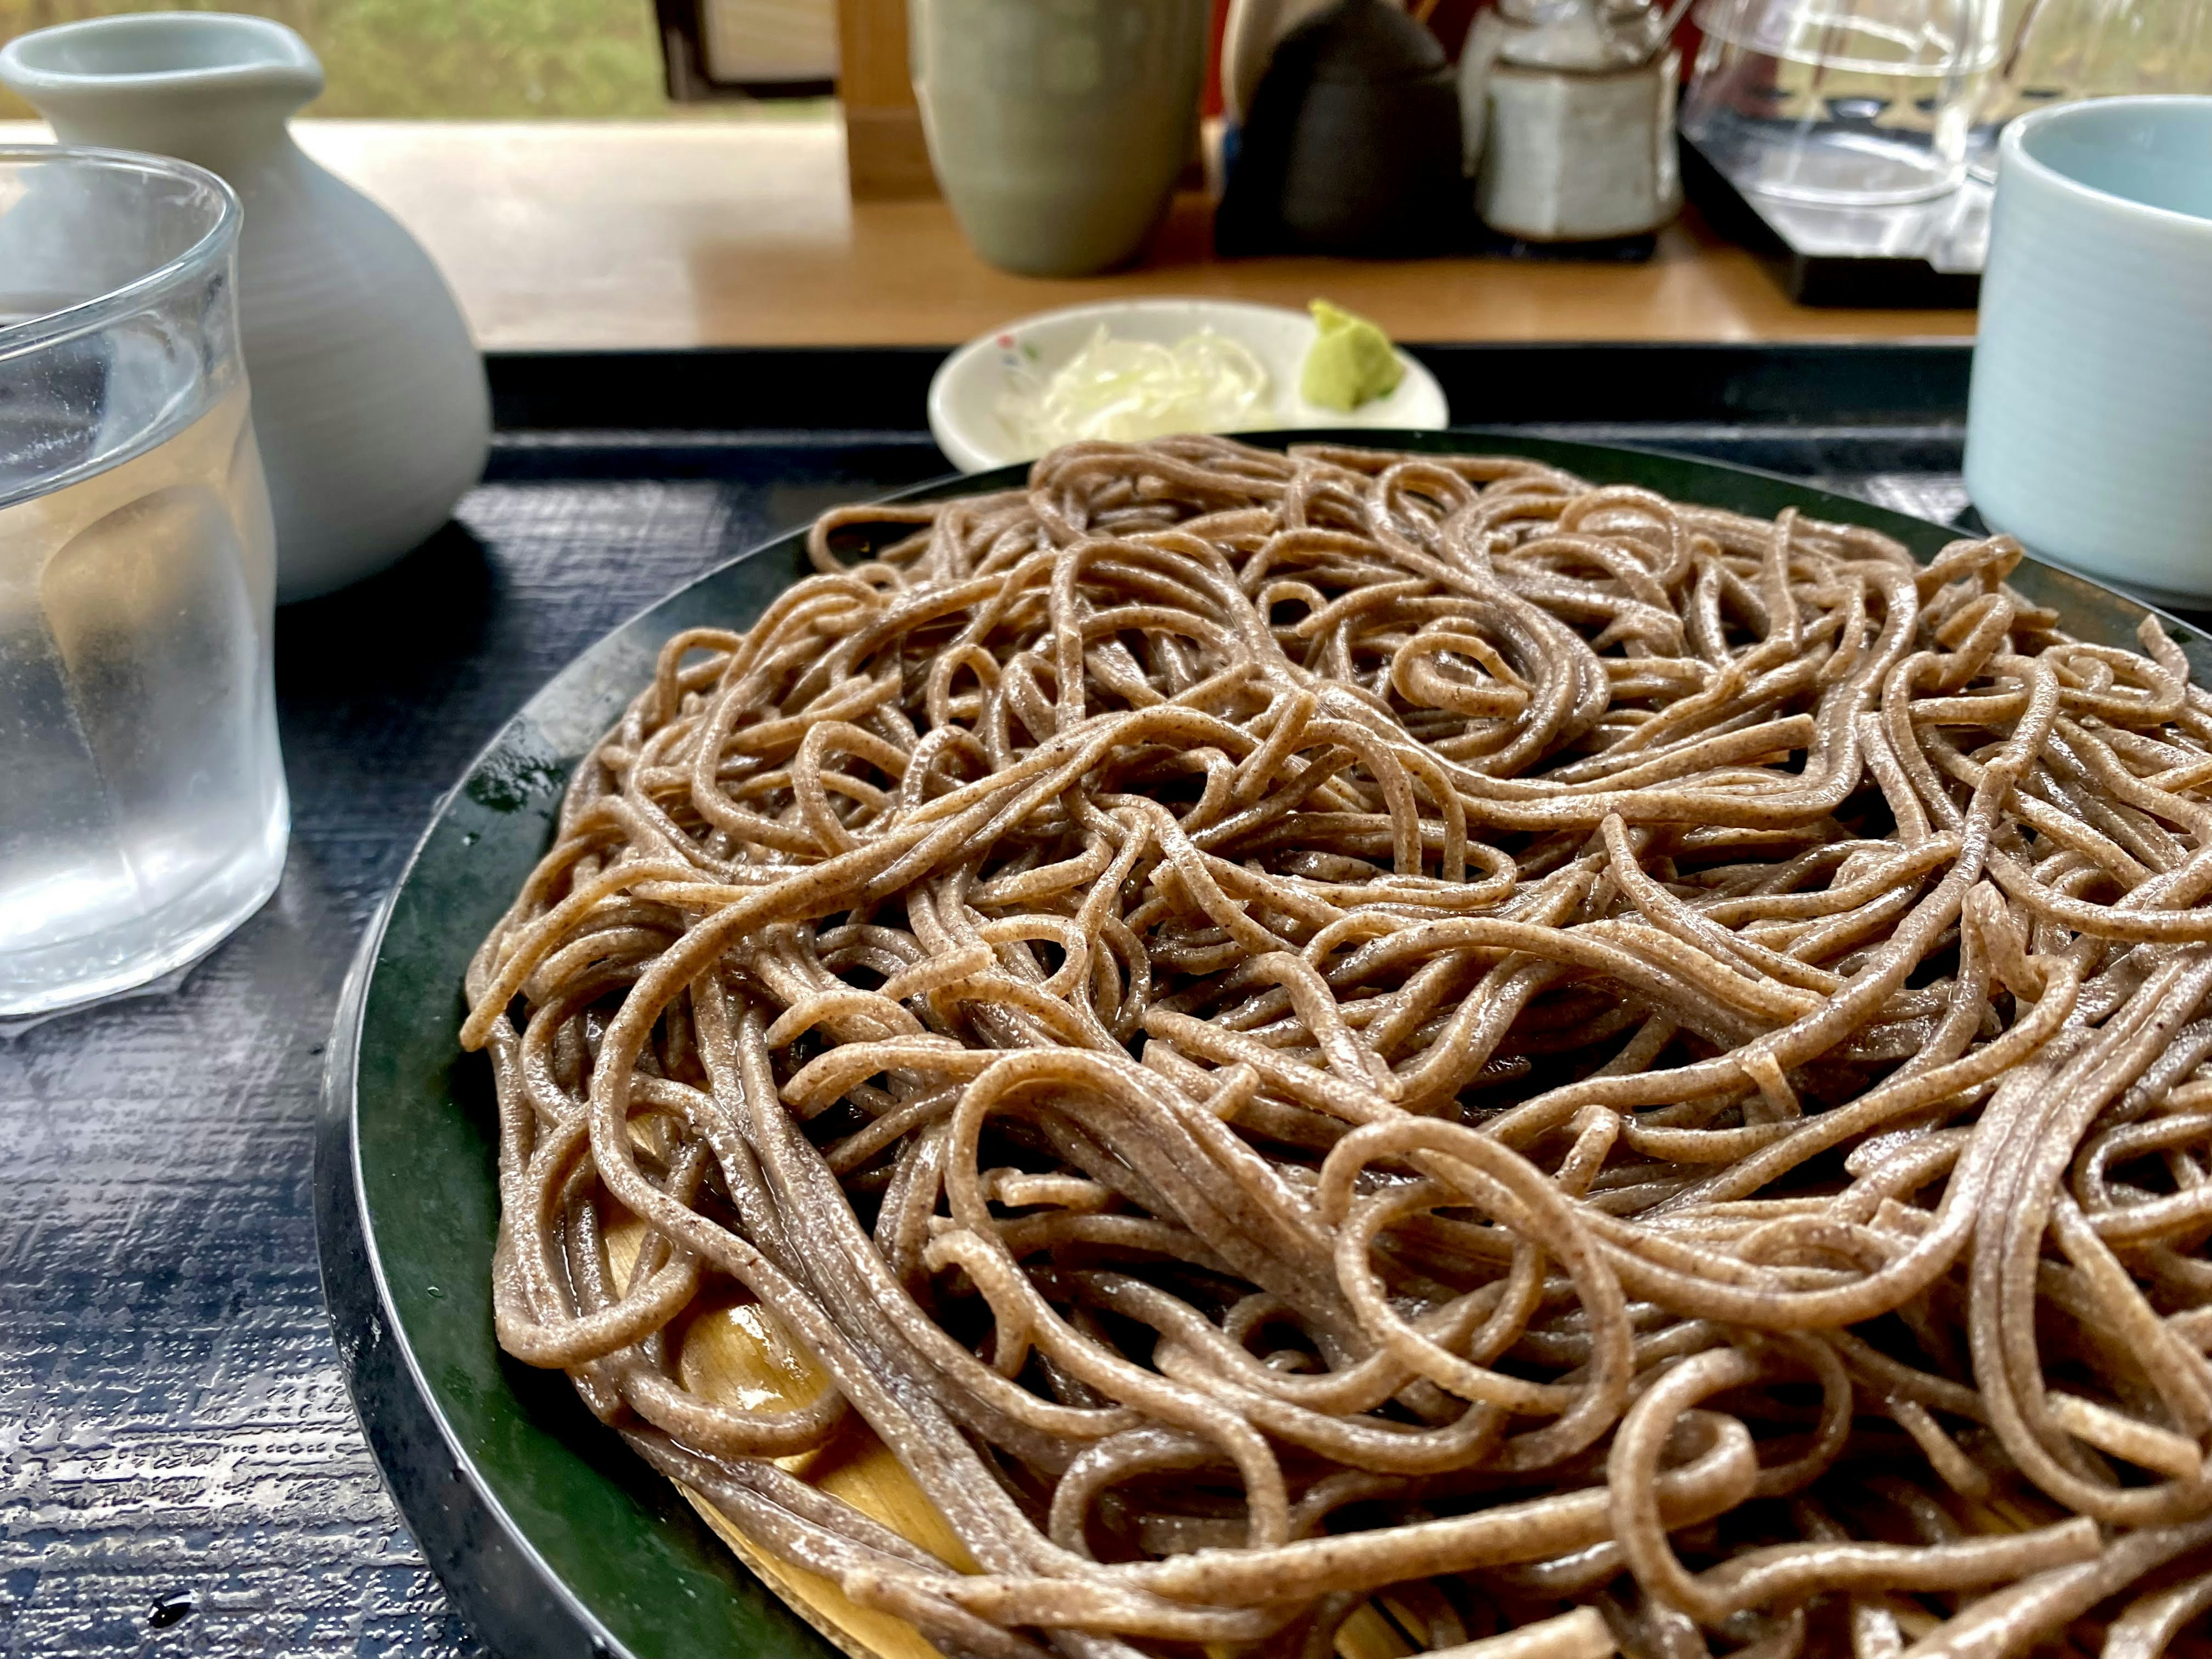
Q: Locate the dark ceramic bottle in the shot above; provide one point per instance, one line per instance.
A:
(1351, 145)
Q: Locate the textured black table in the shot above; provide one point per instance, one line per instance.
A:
(180, 1471)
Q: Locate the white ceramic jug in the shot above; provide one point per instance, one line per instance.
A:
(369, 402)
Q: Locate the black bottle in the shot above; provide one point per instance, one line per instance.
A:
(1351, 145)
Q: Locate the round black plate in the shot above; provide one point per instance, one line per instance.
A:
(549, 1536)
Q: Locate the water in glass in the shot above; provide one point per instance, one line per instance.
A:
(142, 812)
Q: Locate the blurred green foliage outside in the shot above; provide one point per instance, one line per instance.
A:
(474, 59)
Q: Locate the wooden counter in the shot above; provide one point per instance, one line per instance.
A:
(739, 231)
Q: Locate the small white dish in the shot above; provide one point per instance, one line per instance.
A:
(965, 395)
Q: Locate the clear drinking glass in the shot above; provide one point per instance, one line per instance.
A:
(142, 813)
(1852, 102)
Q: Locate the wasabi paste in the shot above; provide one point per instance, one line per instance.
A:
(1350, 362)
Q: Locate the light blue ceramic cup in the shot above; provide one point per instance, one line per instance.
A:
(2089, 426)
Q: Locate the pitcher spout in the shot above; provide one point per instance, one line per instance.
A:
(205, 86)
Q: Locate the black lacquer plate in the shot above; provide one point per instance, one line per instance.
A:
(550, 1537)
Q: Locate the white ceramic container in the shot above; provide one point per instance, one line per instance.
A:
(1579, 154)
(369, 403)
(2089, 426)
(964, 398)
(1567, 116)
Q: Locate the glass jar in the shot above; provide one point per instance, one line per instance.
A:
(1848, 102)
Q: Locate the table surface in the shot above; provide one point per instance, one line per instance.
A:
(739, 232)
(181, 1468)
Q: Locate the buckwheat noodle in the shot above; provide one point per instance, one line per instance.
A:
(1287, 1027)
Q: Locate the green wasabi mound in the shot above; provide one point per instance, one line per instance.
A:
(1350, 361)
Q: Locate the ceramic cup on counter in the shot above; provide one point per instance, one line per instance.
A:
(2089, 425)
(368, 397)
(1057, 131)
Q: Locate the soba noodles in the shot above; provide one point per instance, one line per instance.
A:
(1284, 1026)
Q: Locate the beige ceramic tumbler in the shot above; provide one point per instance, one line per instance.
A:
(1058, 127)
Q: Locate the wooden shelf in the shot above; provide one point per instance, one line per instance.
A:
(570, 235)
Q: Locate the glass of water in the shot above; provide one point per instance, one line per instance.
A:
(142, 813)
(1860, 103)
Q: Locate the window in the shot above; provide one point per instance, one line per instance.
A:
(517, 59)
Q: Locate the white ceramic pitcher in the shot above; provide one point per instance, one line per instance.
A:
(369, 402)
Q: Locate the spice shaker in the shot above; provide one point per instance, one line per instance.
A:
(1568, 111)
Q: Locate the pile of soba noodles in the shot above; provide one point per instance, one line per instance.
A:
(1286, 1028)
